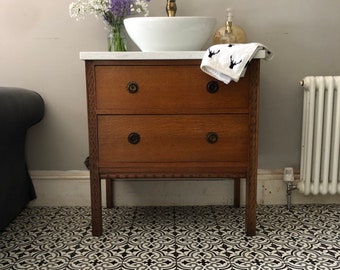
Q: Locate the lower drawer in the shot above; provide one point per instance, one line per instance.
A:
(172, 138)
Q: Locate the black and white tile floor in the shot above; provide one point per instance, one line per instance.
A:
(152, 238)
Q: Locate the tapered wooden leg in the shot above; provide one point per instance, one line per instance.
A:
(96, 205)
(237, 192)
(251, 181)
(251, 205)
(109, 193)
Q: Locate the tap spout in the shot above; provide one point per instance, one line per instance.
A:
(171, 8)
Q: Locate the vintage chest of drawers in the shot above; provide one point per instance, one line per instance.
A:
(159, 116)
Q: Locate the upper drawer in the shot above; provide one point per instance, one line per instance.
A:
(170, 89)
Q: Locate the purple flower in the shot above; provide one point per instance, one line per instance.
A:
(120, 8)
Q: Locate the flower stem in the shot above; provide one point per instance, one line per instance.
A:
(116, 40)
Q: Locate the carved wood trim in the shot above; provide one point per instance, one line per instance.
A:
(96, 202)
(127, 175)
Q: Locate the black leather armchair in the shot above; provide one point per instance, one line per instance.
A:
(19, 110)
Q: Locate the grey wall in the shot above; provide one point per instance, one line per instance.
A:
(40, 45)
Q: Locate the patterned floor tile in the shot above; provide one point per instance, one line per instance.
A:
(176, 238)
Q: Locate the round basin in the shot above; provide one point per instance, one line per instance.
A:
(170, 33)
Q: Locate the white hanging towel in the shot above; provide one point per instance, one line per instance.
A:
(227, 62)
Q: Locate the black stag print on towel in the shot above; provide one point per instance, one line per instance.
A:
(233, 62)
(211, 53)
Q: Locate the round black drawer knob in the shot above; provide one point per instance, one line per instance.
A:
(212, 87)
(132, 87)
(134, 138)
(212, 137)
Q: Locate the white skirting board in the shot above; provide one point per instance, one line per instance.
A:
(72, 188)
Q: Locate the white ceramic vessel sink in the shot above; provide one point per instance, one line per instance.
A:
(170, 33)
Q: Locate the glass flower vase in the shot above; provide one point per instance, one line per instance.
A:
(116, 38)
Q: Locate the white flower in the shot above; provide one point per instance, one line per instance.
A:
(78, 10)
(99, 6)
(141, 6)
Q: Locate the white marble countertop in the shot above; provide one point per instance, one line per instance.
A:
(166, 55)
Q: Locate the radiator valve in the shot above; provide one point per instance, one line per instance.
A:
(288, 174)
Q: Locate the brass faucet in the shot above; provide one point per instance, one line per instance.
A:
(171, 8)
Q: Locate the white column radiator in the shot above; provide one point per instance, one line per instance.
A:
(320, 146)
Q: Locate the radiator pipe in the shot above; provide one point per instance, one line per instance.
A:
(290, 187)
(288, 177)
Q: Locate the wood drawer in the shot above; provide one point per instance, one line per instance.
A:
(171, 89)
(172, 138)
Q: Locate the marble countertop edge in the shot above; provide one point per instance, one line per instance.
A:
(138, 55)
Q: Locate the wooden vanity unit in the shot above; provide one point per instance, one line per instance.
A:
(157, 115)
